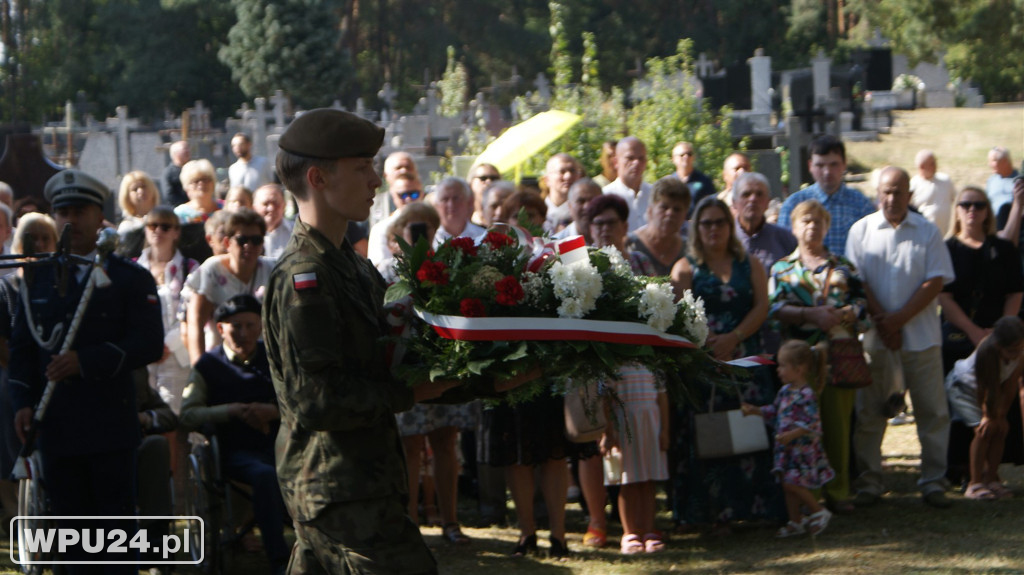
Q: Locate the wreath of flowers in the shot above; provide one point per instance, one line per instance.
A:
(503, 275)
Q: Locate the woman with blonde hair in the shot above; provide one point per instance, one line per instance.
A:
(36, 234)
(136, 196)
(200, 182)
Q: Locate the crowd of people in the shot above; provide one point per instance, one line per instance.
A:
(927, 279)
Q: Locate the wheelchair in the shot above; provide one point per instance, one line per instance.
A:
(223, 504)
(32, 500)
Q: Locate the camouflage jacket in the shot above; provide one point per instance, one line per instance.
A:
(323, 321)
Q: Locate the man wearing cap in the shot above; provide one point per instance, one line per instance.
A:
(90, 432)
(230, 388)
(340, 463)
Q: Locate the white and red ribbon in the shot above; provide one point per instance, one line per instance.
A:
(549, 329)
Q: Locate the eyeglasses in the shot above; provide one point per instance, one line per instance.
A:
(607, 223)
(162, 225)
(242, 241)
(488, 178)
(202, 180)
(410, 195)
(716, 223)
(976, 205)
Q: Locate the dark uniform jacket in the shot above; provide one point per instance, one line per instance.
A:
(121, 330)
(323, 322)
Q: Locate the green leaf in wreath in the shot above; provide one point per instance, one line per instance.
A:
(397, 291)
(518, 353)
(478, 366)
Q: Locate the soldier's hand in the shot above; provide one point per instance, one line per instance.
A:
(63, 366)
(145, 420)
(259, 415)
(22, 422)
(433, 389)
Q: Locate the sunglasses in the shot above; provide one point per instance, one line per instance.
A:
(976, 205)
(256, 240)
(410, 195)
(163, 226)
(716, 223)
(488, 178)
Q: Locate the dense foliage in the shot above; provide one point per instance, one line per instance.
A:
(159, 56)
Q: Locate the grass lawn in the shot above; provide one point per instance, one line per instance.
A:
(960, 137)
(900, 535)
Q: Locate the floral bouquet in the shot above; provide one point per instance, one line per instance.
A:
(500, 306)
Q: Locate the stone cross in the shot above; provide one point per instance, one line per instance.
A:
(201, 115)
(705, 67)
(123, 124)
(432, 99)
(387, 95)
(279, 101)
(360, 108)
(259, 129)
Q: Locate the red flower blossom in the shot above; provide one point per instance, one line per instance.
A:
(472, 307)
(466, 245)
(433, 272)
(510, 291)
(498, 240)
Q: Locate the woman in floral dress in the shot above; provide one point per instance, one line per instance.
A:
(735, 294)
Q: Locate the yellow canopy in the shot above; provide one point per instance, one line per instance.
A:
(524, 140)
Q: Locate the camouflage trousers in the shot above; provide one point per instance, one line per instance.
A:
(373, 537)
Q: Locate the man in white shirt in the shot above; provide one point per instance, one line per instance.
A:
(999, 185)
(405, 189)
(268, 201)
(932, 192)
(454, 202)
(560, 174)
(631, 161)
(249, 171)
(904, 264)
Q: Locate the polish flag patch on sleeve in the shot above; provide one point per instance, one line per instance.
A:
(152, 298)
(304, 281)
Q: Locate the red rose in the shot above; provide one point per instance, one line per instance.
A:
(472, 307)
(465, 245)
(510, 291)
(433, 272)
(498, 240)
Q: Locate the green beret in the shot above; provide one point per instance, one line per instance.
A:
(329, 134)
(75, 187)
(235, 305)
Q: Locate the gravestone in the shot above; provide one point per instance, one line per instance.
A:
(820, 67)
(279, 101)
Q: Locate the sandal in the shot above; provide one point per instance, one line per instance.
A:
(527, 545)
(790, 529)
(979, 492)
(631, 545)
(595, 537)
(453, 534)
(817, 522)
(558, 549)
(999, 490)
(653, 543)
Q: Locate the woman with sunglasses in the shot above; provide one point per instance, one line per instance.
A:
(170, 269)
(988, 286)
(734, 288)
(241, 270)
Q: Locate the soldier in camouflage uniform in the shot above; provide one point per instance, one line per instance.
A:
(339, 455)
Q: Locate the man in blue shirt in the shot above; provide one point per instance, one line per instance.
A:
(846, 205)
(999, 185)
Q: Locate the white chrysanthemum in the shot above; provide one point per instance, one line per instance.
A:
(658, 305)
(580, 282)
(619, 264)
(696, 321)
(571, 307)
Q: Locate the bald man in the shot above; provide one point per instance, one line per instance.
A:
(631, 162)
(932, 192)
(904, 264)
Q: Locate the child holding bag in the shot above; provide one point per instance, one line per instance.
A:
(644, 413)
(799, 459)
